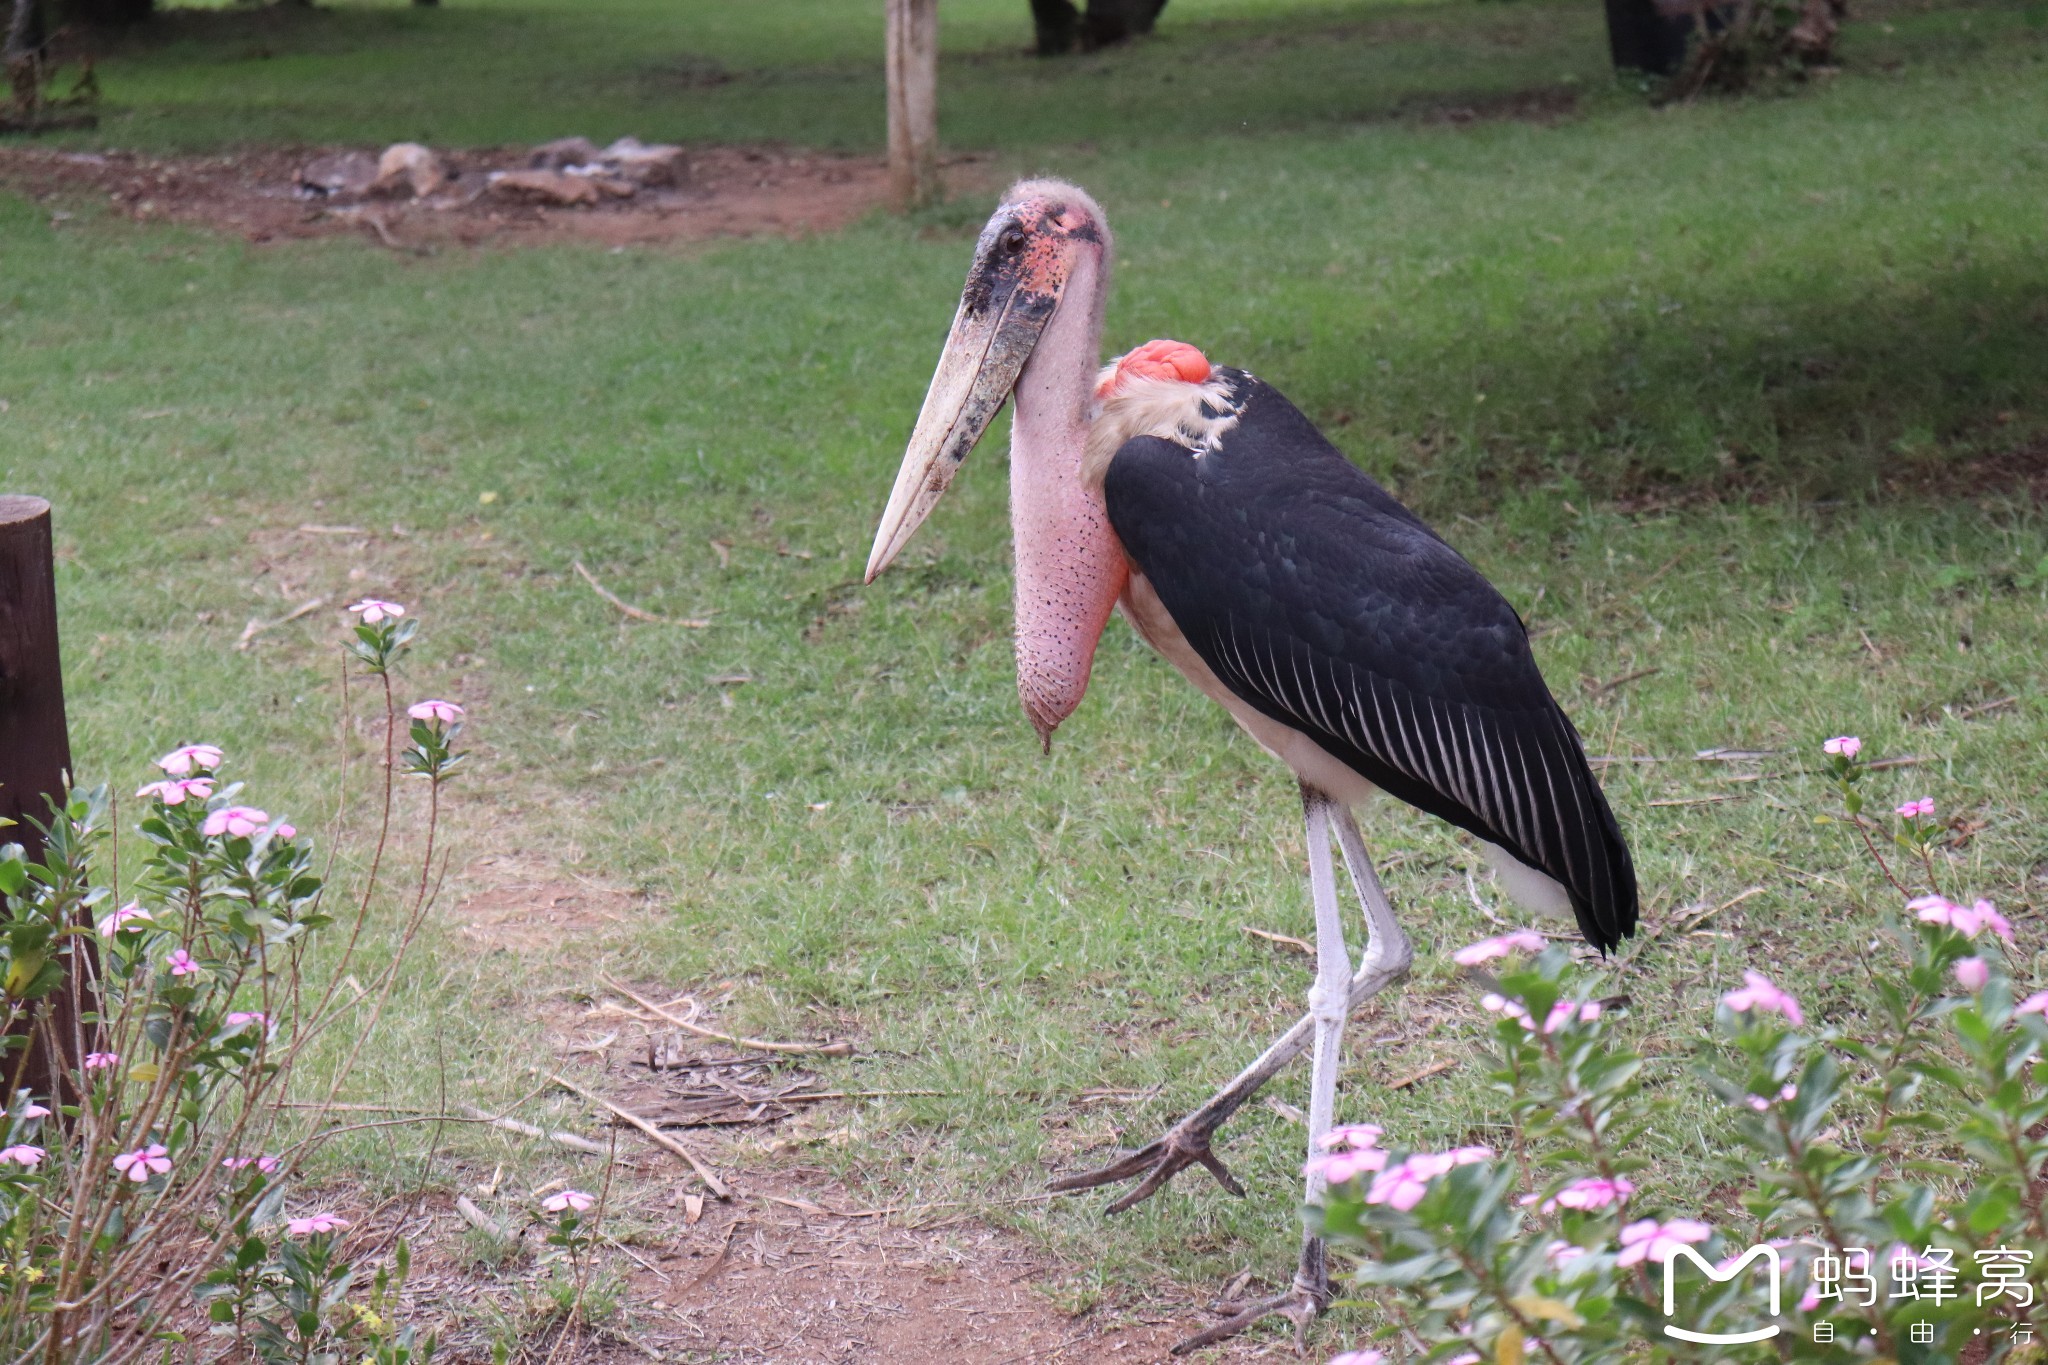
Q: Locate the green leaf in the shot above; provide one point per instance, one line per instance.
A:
(1547, 1309)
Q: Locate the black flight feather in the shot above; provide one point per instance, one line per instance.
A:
(1330, 607)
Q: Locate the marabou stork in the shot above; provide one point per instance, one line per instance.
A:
(1342, 633)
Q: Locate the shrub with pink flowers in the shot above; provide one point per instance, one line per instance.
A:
(161, 1174)
(1904, 1145)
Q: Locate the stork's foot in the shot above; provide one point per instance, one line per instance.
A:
(1185, 1144)
(1302, 1304)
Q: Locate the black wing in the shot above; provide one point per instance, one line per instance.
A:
(1330, 607)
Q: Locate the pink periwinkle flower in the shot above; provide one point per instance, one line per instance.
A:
(1843, 746)
(99, 1061)
(1339, 1167)
(1402, 1186)
(1968, 921)
(1360, 1358)
(181, 964)
(376, 609)
(130, 918)
(1495, 1003)
(1914, 810)
(35, 1111)
(1941, 910)
(1561, 1251)
(1758, 993)
(172, 791)
(318, 1223)
(238, 1018)
(2037, 1003)
(1659, 1242)
(1353, 1135)
(434, 709)
(238, 822)
(141, 1163)
(568, 1200)
(1965, 919)
(1593, 1192)
(1564, 1011)
(1521, 941)
(180, 761)
(265, 1164)
(21, 1154)
(1972, 973)
(1988, 916)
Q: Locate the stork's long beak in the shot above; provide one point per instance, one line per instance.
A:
(1002, 311)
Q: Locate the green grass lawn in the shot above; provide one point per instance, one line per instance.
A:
(1743, 316)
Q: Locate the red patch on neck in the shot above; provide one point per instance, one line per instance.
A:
(1158, 360)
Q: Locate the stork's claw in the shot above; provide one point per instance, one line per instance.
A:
(1302, 1304)
(1298, 1305)
(1185, 1144)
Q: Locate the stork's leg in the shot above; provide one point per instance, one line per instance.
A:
(1186, 1144)
(1328, 1005)
(1387, 951)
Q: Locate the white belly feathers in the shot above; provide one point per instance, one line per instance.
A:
(1311, 762)
(1533, 890)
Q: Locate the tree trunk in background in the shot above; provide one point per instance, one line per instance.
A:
(1058, 25)
(1643, 36)
(35, 753)
(1113, 21)
(913, 70)
(1062, 28)
(19, 54)
(104, 13)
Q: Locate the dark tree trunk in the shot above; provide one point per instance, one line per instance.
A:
(105, 13)
(35, 759)
(1645, 36)
(1061, 28)
(20, 51)
(1114, 21)
(1058, 25)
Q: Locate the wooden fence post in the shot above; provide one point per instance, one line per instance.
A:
(35, 748)
(913, 72)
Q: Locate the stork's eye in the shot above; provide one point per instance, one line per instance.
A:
(1011, 242)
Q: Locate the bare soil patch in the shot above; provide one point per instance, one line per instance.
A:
(1544, 106)
(732, 192)
(795, 1267)
(530, 908)
(789, 1271)
(2019, 475)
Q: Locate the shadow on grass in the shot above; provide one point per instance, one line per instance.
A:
(1840, 389)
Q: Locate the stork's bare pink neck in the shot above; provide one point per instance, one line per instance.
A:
(1070, 568)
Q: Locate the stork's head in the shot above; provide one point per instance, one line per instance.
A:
(1044, 233)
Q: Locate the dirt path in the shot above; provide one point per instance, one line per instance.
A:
(794, 1268)
(730, 192)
